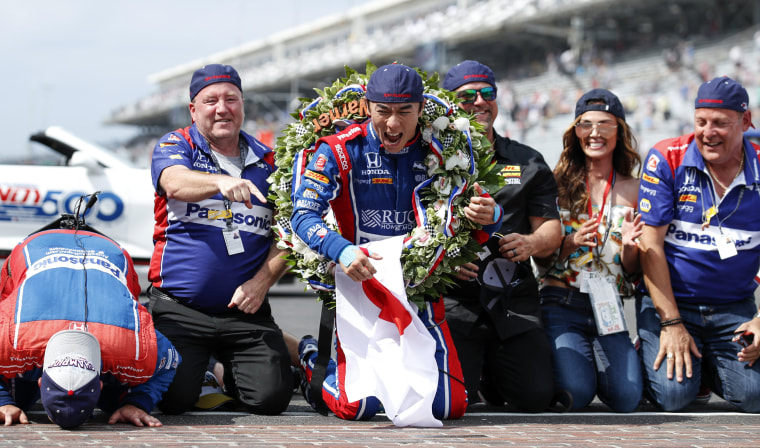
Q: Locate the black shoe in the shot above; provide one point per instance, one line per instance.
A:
(563, 401)
(489, 395)
(296, 372)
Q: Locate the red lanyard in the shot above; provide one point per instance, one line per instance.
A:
(607, 188)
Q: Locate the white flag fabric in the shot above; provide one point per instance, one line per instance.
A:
(389, 353)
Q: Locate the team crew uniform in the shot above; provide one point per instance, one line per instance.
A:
(43, 291)
(370, 192)
(676, 190)
(194, 278)
(182, 261)
(518, 338)
(675, 165)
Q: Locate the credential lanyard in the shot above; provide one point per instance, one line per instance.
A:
(227, 202)
(610, 183)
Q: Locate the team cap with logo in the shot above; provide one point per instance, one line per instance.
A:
(722, 93)
(395, 83)
(211, 74)
(466, 72)
(70, 384)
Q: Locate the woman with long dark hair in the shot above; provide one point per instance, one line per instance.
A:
(598, 259)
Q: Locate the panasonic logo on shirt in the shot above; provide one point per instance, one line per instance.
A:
(197, 211)
(688, 234)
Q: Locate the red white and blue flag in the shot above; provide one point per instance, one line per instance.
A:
(389, 352)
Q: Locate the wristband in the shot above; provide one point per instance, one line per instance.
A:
(497, 213)
(348, 255)
(757, 315)
(667, 323)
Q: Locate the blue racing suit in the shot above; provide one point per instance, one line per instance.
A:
(371, 194)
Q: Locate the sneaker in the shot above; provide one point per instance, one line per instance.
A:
(306, 347)
(212, 395)
(306, 389)
(703, 396)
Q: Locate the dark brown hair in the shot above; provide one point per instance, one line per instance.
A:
(570, 171)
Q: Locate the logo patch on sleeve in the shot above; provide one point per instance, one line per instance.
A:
(316, 176)
(652, 163)
(310, 194)
(320, 163)
(651, 179)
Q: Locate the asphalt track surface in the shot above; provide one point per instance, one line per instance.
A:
(715, 424)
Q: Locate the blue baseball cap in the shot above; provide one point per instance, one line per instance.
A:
(70, 383)
(468, 71)
(722, 93)
(211, 74)
(395, 83)
(601, 100)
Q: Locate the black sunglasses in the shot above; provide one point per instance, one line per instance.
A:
(470, 95)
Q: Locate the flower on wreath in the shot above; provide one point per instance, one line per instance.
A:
(459, 155)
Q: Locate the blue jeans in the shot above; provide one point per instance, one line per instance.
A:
(586, 364)
(712, 328)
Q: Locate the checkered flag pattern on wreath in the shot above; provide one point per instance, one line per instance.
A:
(454, 109)
(430, 107)
(448, 140)
(322, 268)
(283, 185)
(454, 252)
(430, 227)
(300, 130)
(285, 224)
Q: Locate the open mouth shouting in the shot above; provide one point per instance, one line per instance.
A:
(392, 140)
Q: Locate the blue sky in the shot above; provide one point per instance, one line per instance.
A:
(71, 62)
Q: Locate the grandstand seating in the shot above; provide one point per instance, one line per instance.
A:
(285, 66)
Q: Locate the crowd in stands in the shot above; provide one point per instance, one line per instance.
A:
(656, 97)
(658, 100)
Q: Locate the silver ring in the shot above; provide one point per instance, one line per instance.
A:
(457, 268)
(670, 356)
(514, 253)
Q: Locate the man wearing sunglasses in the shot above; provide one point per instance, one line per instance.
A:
(503, 349)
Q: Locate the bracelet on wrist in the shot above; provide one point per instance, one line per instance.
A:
(667, 323)
(756, 315)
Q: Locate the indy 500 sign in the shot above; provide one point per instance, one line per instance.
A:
(30, 203)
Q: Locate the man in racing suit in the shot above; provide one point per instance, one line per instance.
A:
(80, 280)
(367, 173)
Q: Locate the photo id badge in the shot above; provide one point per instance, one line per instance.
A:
(726, 246)
(233, 241)
(608, 309)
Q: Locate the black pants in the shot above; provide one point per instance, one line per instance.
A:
(517, 370)
(252, 349)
